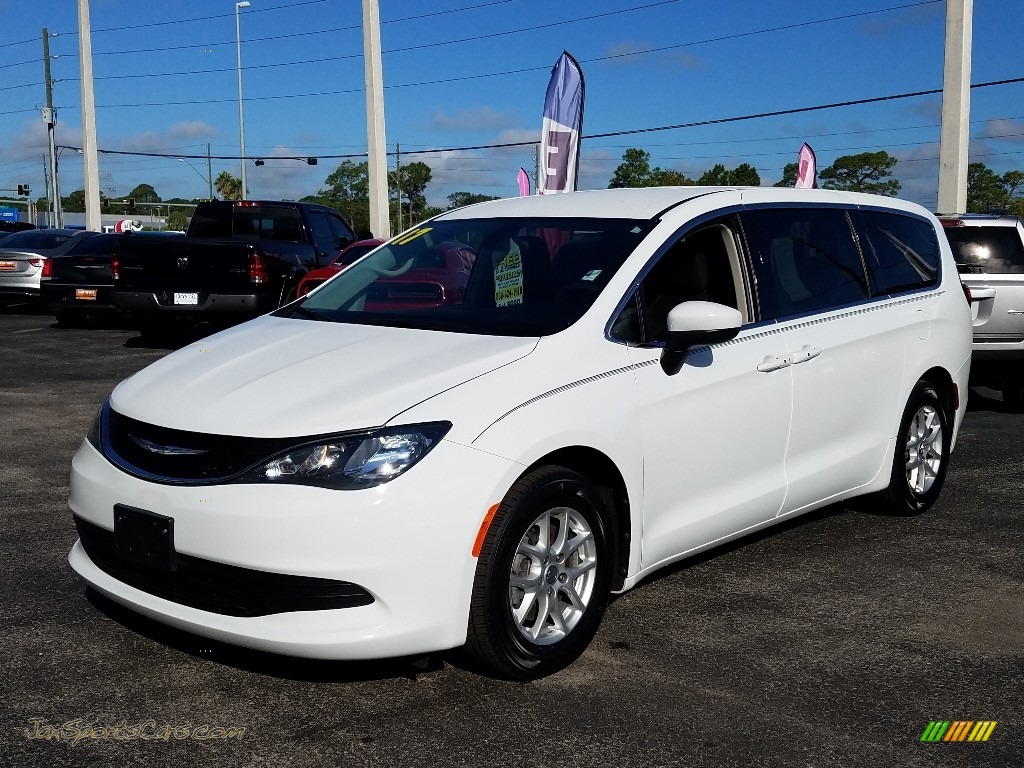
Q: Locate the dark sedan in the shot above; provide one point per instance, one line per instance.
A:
(79, 282)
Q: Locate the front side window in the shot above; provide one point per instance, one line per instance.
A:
(901, 252)
(805, 258)
(512, 276)
(703, 265)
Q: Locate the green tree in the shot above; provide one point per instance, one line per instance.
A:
(177, 219)
(635, 171)
(666, 177)
(347, 189)
(788, 175)
(74, 203)
(866, 172)
(743, 175)
(460, 199)
(144, 193)
(985, 191)
(413, 179)
(227, 186)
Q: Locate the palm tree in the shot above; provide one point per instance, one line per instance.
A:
(228, 187)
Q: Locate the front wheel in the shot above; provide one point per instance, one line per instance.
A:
(922, 454)
(543, 577)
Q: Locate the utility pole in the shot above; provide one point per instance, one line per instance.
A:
(955, 134)
(93, 220)
(376, 146)
(209, 170)
(49, 200)
(49, 118)
(398, 183)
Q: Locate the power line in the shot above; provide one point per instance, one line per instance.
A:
(630, 132)
(722, 38)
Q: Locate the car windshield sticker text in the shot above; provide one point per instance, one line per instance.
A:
(508, 278)
(408, 237)
(591, 275)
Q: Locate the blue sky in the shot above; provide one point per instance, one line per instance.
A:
(463, 73)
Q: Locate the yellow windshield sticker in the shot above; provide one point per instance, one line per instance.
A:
(408, 237)
(508, 278)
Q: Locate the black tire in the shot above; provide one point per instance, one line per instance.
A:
(1013, 396)
(918, 471)
(153, 331)
(70, 319)
(496, 638)
(289, 294)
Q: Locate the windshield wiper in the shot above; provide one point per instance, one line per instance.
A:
(309, 314)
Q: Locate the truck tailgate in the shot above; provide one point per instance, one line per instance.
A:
(184, 265)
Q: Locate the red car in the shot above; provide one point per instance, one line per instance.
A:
(439, 277)
(345, 257)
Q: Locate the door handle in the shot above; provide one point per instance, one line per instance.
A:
(1015, 311)
(774, 363)
(805, 353)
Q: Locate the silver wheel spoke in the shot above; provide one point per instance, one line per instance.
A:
(923, 449)
(553, 574)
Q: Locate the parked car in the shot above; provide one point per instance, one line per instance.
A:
(989, 252)
(633, 376)
(346, 256)
(237, 260)
(79, 282)
(437, 276)
(22, 255)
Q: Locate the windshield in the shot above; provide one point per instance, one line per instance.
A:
(502, 277)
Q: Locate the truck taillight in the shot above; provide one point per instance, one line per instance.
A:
(967, 293)
(115, 266)
(47, 269)
(258, 270)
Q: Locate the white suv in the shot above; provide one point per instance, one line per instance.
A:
(989, 252)
(632, 376)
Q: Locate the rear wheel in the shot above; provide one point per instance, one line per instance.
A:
(69, 319)
(922, 454)
(1013, 396)
(543, 576)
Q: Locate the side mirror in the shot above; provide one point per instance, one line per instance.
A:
(694, 324)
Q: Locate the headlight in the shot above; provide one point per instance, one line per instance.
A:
(351, 462)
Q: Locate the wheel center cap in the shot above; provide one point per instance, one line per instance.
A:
(551, 574)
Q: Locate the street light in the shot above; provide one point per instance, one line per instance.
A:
(241, 116)
(207, 179)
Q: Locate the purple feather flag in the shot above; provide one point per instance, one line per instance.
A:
(562, 128)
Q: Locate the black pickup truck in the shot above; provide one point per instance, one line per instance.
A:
(238, 258)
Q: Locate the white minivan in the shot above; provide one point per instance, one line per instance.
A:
(390, 467)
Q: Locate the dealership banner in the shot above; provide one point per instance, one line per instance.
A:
(807, 168)
(524, 182)
(562, 128)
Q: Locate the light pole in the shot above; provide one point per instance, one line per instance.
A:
(207, 179)
(241, 116)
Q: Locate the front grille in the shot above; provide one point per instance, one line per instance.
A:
(218, 588)
(175, 455)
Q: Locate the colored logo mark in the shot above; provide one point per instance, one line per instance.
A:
(959, 730)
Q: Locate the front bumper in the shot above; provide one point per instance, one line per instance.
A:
(408, 543)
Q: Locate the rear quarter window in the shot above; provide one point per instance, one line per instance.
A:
(991, 250)
(901, 252)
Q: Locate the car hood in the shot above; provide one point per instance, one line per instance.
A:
(282, 377)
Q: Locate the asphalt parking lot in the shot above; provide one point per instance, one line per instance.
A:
(830, 641)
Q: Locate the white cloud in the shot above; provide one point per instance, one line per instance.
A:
(474, 120)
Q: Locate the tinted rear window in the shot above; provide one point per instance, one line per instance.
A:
(35, 239)
(901, 252)
(995, 250)
(100, 244)
(249, 222)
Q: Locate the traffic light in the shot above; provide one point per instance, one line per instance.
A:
(131, 204)
(23, 190)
